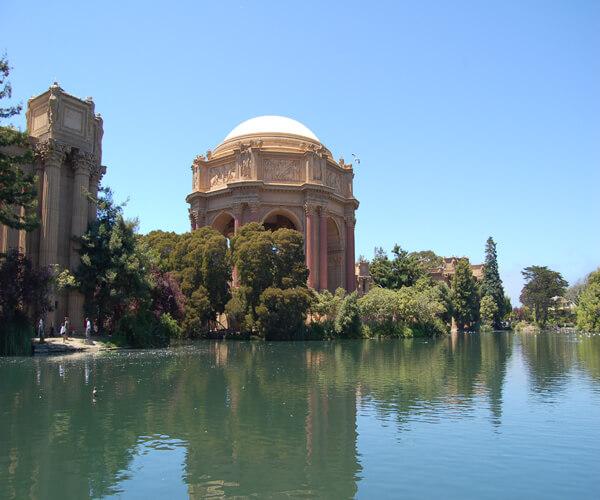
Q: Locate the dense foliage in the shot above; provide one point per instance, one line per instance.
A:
(24, 294)
(18, 195)
(541, 286)
(465, 296)
(588, 309)
(271, 272)
(404, 269)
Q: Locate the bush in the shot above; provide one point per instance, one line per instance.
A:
(143, 329)
(15, 337)
(347, 321)
(282, 313)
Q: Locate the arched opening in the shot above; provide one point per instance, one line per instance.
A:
(278, 219)
(225, 224)
(335, 256)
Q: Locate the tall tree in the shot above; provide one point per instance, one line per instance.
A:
(114, 272)
(18, 194)
(541, 285)
(201, 264)
(465, 296)
(491, 284)
(588, 309)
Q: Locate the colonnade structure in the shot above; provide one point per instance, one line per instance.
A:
(66, 135)
(274, 170)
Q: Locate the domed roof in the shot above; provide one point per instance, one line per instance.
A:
(271, 124)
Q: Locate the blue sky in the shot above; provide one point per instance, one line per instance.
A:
(470, 118)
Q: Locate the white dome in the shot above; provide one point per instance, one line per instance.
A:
(271, 124)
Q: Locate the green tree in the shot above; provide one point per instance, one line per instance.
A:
(347, 322)
(465, 296)
(18, 194)
(588, 310)
(201, 263)
(274, 261)
(405, 269)
(114, 272)
(491, 284)
(488, 312)
(281, 313)
(161, 244)
(541, 285)
(24, 290)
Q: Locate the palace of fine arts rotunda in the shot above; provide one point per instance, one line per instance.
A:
(274, 170)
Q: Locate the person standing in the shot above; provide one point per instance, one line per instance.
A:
(41, 330)
(88, 331)
(67, 326)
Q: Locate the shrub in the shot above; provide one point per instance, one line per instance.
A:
(347, 321)
(282, 313)
(143, 329)
(15, 337)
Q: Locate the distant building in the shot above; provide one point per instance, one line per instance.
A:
(274, 170)
(448, 267)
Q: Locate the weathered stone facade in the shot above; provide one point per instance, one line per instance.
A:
(67, 138)
(274, 170)
(446, 270)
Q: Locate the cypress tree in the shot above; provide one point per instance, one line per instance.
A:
(491, 283)
(465, 297)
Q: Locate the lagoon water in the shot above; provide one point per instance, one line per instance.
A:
(497, 415)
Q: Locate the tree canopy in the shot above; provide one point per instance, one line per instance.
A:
(541, 285)
(465, 296)
(18, 194)
(491, 284)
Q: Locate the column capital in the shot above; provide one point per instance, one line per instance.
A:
(310, 208)
(51, 152)
(84, 162)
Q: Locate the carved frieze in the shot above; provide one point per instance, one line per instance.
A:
(283, 170)
(334, 180)
(220, 176)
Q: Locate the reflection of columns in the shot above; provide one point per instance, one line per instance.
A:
(79, 221)
(323, 250)
(350, 264)
(310, 245)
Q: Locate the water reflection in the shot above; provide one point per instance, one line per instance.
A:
(249, 418)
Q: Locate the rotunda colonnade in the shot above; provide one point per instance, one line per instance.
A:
(275, 171)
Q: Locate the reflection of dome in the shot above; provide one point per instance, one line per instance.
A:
(270, 124)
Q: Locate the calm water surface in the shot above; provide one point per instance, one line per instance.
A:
(480, 416)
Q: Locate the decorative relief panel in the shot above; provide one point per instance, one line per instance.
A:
(246, 165)
(283, 170)
(334, 180)
(40, 119)
(73, 119)
(219, 176)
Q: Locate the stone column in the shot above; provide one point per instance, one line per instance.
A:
(79, 222)
(350, 264)
(53, 157)
(323, 249)
(310, 245)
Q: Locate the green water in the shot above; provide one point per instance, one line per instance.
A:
(493, 416)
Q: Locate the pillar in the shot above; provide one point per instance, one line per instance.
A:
(350, 264)
(53, 156)
(79, 222)
(310, 246)
(323, 250)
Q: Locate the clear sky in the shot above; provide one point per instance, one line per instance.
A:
(470, 118)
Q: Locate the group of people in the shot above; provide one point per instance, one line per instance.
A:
(65, 328)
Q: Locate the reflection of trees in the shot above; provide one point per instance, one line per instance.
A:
(254, 417)
(588, 353)
(549, 358)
